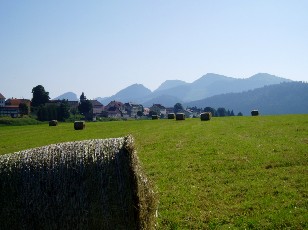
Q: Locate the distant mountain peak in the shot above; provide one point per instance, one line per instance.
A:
(170, 84)
(208, 75)
(210, 78)
(70, 96)
(262, 75)
(134, 89)
(133, 93)
(268, 78)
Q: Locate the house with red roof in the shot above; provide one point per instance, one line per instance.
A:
(10, 107)
(15, 102)
(8, 110)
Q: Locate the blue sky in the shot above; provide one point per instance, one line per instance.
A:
(101, 47)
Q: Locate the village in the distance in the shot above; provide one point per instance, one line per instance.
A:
(44, 109)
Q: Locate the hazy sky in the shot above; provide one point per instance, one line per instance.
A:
(100, 47)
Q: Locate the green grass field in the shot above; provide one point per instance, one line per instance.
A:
(231, 172)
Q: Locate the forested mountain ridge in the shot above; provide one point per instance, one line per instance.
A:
(283, 98)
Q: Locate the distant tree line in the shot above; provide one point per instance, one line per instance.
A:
(53, 112)
(46, 111)
(220, 112)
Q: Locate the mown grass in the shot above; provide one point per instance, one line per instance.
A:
(232, 172)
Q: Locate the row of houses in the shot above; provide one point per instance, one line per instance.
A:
(10, 107)
(118, 109)
(115, 109)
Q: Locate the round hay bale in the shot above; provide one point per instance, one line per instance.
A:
(255, 112)
(154, 117)
(180, 116)
(206, 116)
(171, 115)
(53, 123)
(91, 184)
(79, 125)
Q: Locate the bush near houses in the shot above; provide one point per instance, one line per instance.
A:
(19, 121)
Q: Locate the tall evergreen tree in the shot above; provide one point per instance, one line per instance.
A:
(85, 107)
(82, 97)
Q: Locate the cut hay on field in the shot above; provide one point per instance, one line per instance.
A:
(79, 125)
(53, 123)
(171, 115)
(180, 116)
(206, 116)
(255, 112)
(154, 117)
(92, 184)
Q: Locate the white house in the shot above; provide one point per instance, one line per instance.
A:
(2, 100)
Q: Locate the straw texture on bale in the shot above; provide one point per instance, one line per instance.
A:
(171, 115)
(92, 184)
(180, 116)
(255, 112)
(53, 123)
(154, 117)
(79, 125)
(206, 116)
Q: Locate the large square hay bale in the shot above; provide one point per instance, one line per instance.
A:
(154, 117)
(53, 123)
(171, 115)
(255, 112)
(92, 184)
(79, 125)
(206, 116)
(180, 116)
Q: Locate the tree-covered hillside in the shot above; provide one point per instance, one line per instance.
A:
(284, 98)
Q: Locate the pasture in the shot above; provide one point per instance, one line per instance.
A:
(229, 172)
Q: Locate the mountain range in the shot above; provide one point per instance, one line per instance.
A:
(173, 91)
(267, 93)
